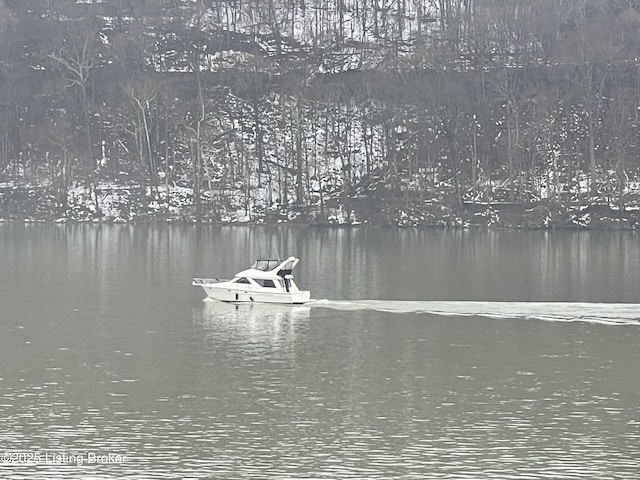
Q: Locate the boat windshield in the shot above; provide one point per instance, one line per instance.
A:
(288, 266)
(265, 265)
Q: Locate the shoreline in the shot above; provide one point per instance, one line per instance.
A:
(606, 224)
(376, 211)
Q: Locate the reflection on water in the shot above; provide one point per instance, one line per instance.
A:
(254, 326)
(118, 354)
(240, 314)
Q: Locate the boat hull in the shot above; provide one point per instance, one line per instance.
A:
(225, 294)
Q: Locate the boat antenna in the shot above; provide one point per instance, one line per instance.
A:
(277, 254)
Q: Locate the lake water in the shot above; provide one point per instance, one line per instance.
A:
(426, 354)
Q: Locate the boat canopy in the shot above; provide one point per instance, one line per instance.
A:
(268, 265)
(265, 264)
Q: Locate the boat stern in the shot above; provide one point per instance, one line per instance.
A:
(300, 297)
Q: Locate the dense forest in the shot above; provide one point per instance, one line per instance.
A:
(394, 112)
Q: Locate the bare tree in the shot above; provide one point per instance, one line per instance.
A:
(590, 49)
(76, 59)
(142, 94)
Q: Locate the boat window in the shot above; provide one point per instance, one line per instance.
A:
(265, 283)
(242, 280)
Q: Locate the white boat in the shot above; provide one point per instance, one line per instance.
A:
(267, 281)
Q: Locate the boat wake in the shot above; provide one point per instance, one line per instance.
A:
(602, 313)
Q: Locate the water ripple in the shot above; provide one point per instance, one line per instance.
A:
(280, 393)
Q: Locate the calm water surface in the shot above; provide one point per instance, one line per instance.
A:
(428, 354)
